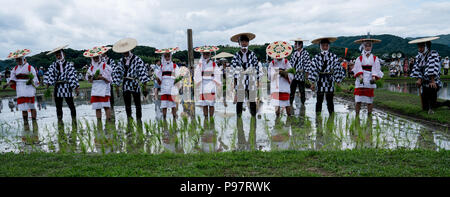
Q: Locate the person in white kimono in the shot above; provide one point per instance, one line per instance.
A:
(99, 74)
(24, 80)
(367, 70)
(208, 77)
(279, 77)
(166, 76)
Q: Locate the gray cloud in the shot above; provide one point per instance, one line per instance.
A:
(43, 25)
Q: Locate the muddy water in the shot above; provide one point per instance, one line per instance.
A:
(408, 87)
(305, 131)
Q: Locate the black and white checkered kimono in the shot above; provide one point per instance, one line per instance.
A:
(65, 82)
(240, 66)
(302, 64)
(426, 66)
(111, 63)
(130, 75)
(325, 70)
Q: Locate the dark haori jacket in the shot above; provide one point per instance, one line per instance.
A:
(302, 64)
(111, 63)
(326, 70)
(130, 75)
(239, 65)
(426, 66)
(63, 77)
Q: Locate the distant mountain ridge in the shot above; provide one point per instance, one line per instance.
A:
(389, 44)
(443, 39)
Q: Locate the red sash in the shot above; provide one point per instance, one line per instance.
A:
(282, 96)
(208, 97)
(369, 92)
(167, 97)
(99, 99)
(22, 100)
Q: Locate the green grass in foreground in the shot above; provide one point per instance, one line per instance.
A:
(366, 162)
(403, 103)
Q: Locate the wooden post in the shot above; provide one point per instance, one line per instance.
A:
(190, 49)
(191, 68)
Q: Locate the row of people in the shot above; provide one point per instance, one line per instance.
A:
(320, 73)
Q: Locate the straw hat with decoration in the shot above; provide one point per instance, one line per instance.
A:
(19, 53)
(279, 49)
(96, 51)
(205, 49)
(168, 50)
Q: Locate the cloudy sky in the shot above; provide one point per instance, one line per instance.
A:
(41, 25)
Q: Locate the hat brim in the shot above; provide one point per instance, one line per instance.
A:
(19, 54)
(206, 49)
(57, 49)
(360, 41)
(298, 40)
(236, 37)
(94, 52)
(279, 49)
(317, 41)
(421, 40)
(168, 50)
(124, 45)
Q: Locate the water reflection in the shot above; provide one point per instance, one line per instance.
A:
(410, 87)
(304, 131)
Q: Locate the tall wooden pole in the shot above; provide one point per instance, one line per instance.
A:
(190, 49)
(191, 64)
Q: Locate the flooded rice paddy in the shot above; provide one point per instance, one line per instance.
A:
(226, 132)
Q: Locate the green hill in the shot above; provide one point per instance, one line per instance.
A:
(390, 44)
(444, 39)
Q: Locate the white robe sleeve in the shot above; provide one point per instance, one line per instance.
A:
(177, 74)
(88, 73)
(12, 76)
(357, 68)
(107, 73)
(198, 74)
(35, 79)
(273, 73)
(290, 75)
(159, 74)
(376, 69)
(218, 75)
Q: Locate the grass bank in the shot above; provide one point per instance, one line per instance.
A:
(365, 162)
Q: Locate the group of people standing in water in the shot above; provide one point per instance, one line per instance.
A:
(321, 73)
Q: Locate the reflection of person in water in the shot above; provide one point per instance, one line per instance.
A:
(281, 136)
(41, 103)
(362, 135)
(209, 138)
(30, 138)
(171, 142)
(11, 104)
(425, 140)
(242, 143)
(325, 138)
(67, 142)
